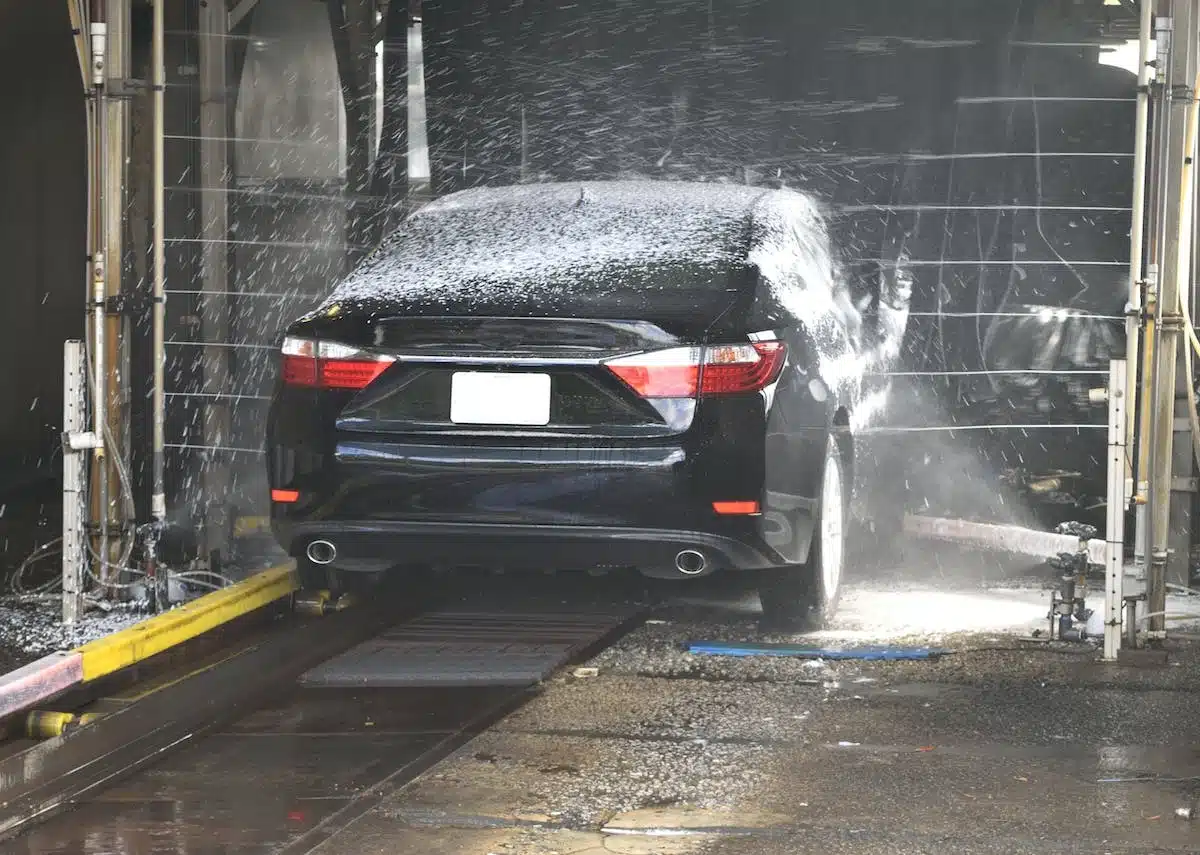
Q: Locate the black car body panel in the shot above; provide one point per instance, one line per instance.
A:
(554, 280)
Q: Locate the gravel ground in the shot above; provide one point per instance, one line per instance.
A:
(31, 626)
(584, 781)
(29, 631)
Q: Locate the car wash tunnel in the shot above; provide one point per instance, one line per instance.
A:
(647, 426)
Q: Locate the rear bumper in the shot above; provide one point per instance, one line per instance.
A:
(519, 547)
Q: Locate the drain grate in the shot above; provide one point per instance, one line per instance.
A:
(468, 648)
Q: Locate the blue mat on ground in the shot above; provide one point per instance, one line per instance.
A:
(719, 648)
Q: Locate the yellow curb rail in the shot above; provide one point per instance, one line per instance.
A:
(39, 681)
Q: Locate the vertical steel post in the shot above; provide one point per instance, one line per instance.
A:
(419, 170)
(1114, 571)
(116, 375)
(1170, 510)
(214, 234)
(1133, 308)
(99, 44)
(74, 423)
(158, 501)
(1154, 235)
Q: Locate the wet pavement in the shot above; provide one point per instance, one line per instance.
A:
(267, 780)
(992, 748)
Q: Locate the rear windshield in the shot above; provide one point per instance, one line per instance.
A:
(605, 242)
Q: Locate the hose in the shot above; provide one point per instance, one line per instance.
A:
(17, 582)
(1165, 616)
(126, 495)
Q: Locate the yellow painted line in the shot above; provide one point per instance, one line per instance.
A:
(162, 632)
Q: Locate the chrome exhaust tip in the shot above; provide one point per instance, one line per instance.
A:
(321, 552)
(690, 562)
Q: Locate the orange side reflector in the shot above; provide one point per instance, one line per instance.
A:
(287, 496)
(732, 508)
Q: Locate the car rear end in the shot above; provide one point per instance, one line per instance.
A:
(562, 442)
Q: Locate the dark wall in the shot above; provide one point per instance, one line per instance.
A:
(43, 201)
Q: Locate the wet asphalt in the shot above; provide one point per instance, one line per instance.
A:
(990, 748)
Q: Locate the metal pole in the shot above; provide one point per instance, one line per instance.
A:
(419, 171)
(99, 30)
(1174, 269)
(74, 540)
(1115, 532)
(158, 502)
(214, 230)
(79, 31)
(74, 422)
(116, 508)
(1154, 235)
(1133, 310)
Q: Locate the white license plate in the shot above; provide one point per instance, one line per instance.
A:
(488, 398)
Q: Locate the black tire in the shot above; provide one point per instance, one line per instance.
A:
(798, 598)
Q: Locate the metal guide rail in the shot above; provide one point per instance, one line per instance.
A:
(370, 692)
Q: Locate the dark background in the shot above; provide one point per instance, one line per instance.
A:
(912, 120)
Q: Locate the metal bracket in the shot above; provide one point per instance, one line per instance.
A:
(126, 87)
(1184, 485)
(76, 442)
(133, 303)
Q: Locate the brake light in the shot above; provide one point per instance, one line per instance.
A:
(685, 372)
(286, 497)
(329, 365)
(737, 508)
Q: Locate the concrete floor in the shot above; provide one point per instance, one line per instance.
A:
(991, 749)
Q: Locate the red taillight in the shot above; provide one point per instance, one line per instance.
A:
(299, 370)
(684, 372)
(349, 373)
(737, 508)
(286, 497)
(329, 365)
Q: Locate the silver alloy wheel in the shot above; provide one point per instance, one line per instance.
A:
(833, 540)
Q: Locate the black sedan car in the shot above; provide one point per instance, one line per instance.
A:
(664, 376)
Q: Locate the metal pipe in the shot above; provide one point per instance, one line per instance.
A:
(1154, 238)
(99, 43)
(158, 60)
(215, 478)
(419, 172)
(1114, 592)
(1174, 287)
(80, 34)
(118, 502)
(1131, 624)
(1137, 226)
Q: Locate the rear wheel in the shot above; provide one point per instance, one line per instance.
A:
(805, 596)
